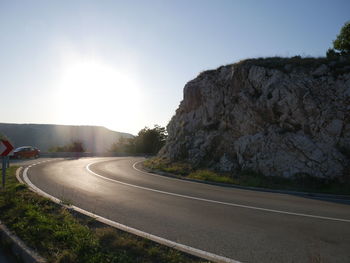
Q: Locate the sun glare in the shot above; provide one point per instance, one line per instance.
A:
(93, 93)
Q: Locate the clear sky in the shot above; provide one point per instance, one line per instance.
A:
(123, 64)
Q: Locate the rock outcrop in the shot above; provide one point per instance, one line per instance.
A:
(279, 120)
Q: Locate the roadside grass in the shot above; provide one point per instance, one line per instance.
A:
(162, 164)
(211, 176)
(61, 235)
(299, 182)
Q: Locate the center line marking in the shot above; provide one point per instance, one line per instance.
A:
(214, 201)
(181, 247)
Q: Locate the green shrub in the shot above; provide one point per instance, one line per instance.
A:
(147, 141)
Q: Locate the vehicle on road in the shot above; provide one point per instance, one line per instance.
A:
(26, 152)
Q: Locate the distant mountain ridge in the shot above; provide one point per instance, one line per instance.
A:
(45, 136)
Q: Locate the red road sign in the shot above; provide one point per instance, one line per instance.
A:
(5, 147)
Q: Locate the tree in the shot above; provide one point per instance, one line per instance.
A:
(75, 146)
(147, 141)
(150, 140)
(342, 43)
(124, 145)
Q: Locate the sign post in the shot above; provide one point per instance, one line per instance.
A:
(3, 171)
(5, 149)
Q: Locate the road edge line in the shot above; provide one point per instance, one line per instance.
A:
(215, 201)
(187, 249)
(17, 246)
(18, 175)
(313, 195)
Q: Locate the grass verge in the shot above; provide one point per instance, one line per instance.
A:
(167, 166)
(299, 182)
(208, 175)
(61, 235)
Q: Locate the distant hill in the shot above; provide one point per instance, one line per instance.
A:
(44, 136)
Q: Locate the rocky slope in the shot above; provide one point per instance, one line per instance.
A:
(275, 116)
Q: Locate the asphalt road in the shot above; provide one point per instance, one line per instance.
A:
(243, 225)
(24, 162)
(5, 258)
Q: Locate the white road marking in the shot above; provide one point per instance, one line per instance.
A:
(164, 177)
(238, 188)
(216, 202)
(18, 175)
(160, 240)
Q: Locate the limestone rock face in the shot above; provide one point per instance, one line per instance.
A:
(276, 121)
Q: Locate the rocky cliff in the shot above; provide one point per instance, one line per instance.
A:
(275, 116)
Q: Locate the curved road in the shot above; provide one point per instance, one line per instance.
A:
(243, 225)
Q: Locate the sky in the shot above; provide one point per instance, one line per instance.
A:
(123, 64)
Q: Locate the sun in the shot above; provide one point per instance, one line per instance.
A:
(92, 92)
